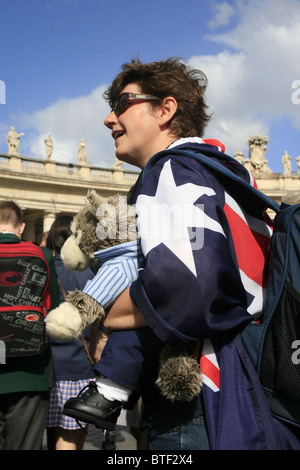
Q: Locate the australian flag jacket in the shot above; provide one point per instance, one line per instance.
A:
(204, 275)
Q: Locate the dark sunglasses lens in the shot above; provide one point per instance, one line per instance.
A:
(121, 103)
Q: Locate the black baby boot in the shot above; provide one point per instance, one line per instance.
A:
(91, 407)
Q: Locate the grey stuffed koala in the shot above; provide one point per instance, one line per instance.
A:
(101, 224)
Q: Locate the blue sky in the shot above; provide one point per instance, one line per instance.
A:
(58, 57)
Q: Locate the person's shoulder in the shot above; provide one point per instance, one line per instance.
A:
(44, 251)
(47, 253)
(6, 237)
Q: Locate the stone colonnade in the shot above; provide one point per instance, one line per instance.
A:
(45, 189)
(47, 218)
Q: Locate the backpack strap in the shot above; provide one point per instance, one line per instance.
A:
(218, 168)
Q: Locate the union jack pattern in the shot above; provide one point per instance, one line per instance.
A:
(251, 238)
(209, 366)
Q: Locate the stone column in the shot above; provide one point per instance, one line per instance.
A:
(29, 232)
(48, 219)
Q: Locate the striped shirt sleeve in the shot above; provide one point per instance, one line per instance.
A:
(111, 280)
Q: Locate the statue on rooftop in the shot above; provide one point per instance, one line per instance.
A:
(13, 141)
(257, 149)
(117, 163)
(239, 156)
(287, 164)
(49, 147)
(298, 164)
(81, 152)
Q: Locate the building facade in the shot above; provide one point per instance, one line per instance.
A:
(46, 188)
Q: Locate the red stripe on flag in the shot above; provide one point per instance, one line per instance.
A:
(210, 370)
(215, 143)
(251, 247)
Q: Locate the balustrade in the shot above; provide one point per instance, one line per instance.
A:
(17, 163)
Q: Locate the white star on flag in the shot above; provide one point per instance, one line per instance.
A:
(167, 217)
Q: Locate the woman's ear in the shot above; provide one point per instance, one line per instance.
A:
(167, 109)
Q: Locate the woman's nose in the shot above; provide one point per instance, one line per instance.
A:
(110, 119)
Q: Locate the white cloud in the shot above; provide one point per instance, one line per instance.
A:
(69, 120)
(250, 82)
(250, 86)
(223, 14)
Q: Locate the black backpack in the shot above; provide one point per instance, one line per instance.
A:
(24, 299)
(273, 344)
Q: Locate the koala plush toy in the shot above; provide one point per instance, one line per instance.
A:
(101, 224)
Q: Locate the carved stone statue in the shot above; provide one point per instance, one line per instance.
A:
(81, 152)
(287, 164)
(117, 163)
(49, 147)
(298, 164)
(257, 149)
(13, 141)
(239, 156)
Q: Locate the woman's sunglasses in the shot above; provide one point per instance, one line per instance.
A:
(125, 99)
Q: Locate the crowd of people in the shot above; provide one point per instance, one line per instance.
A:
(34, 389)
(191, 288)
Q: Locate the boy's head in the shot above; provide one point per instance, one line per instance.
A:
(168, 78)
(11, 217)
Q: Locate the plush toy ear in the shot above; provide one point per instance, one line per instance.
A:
(72, 256)
(93, 201)
(73, 225)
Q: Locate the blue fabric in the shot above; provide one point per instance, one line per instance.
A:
(69, 358)
(172, 298)
(131, 358)
(188, 436)
(217, 269)
(129, 355)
